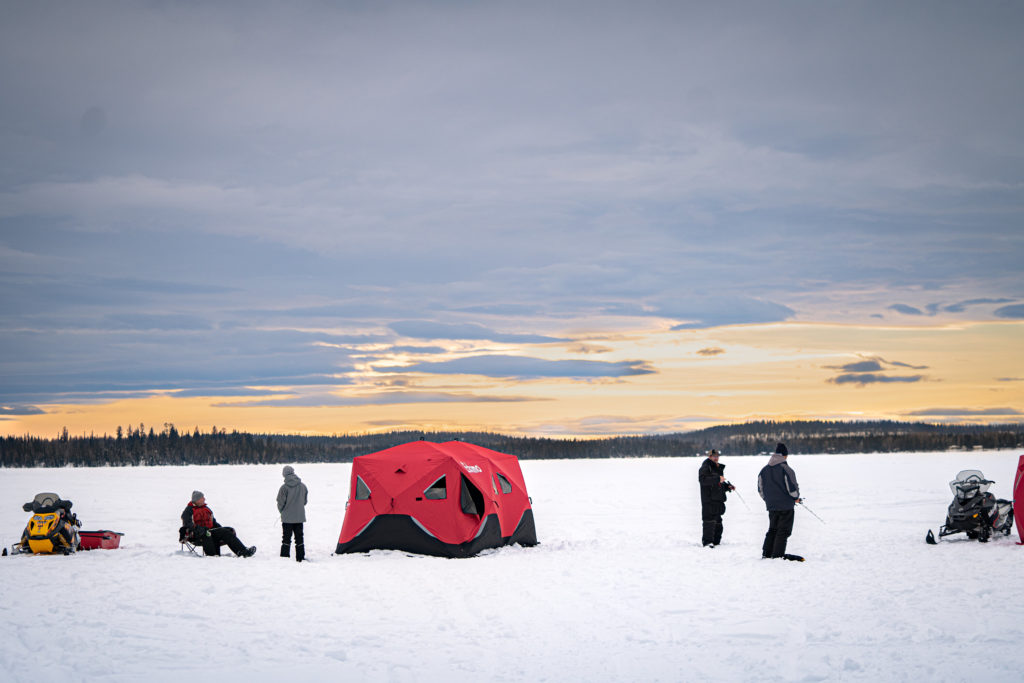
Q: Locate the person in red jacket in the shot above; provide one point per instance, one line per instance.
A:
(203, 528)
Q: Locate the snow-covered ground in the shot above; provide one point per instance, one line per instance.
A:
(619, 589)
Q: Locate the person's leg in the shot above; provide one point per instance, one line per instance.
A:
(782, 532)
(227, 535)
(300, 548)
(707, 517)
(769, 538)
(286, 539)
(211, 546)
(718, 523)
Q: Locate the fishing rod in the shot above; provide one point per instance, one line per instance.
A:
(801, 502)
(733, 489)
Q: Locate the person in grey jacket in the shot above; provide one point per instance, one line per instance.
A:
(778, 487)
(291, 503)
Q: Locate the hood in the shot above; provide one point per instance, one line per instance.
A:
(776, 459)
(292, 480)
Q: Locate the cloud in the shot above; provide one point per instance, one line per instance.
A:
(417, 350)
(899, 364)
(38, 367)
(231, 391)
(861, 366)
(965, 412)
(707, 312)
(1015, 312)
(425, 329)
(710, 351)
(377, 399)
(868, 371)
(20, 410)
(525, 367)
(589, 348)
(520, 183)
(156, 322)
(961, 306)
(872, 378)
(613, 425)
(906, 310)
(932, 309)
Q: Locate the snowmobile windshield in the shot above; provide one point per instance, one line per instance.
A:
(969, 483)
(46, 499)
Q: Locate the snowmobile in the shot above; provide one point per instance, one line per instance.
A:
(974, 511)
(53, 528)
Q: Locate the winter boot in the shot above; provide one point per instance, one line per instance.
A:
(286, 550)
(300, 552)
(250, 551)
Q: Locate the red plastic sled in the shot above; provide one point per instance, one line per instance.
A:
(105, 540)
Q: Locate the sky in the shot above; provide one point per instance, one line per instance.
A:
(552, 219)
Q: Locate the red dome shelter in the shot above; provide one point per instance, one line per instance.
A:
(449, 499)
(1018, 498)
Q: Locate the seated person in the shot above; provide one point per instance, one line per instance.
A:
(201, 526)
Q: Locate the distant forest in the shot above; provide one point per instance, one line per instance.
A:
(137, 446)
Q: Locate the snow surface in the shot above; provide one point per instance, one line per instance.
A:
(619, 589)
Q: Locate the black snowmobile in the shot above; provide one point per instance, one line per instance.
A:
(974, 511)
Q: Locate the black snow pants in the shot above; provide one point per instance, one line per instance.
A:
(287, 529)
(780, 526)
(711, 514)
(223, 535)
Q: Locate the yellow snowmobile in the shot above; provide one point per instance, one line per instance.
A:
(53, 528)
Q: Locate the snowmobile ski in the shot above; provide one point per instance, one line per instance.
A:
(793, 558)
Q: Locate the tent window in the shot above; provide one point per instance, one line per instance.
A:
(505, 486)
(437, 491)
(471, 499)
(362, 490)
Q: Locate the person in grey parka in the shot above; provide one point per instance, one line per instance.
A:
(778, 487)
(291, 502)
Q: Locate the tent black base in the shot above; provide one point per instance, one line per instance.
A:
(402, 532)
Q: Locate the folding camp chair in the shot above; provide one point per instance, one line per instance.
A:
(187, 542)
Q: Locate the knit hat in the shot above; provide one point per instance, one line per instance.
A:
(712, 453)
(288, 469)
(781, 449)
(196, 496)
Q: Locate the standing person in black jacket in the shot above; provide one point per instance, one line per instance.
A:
(713, 487)
(778, 487)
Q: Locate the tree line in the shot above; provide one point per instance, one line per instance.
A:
(137, 446)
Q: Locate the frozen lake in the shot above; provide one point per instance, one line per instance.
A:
(620, 588)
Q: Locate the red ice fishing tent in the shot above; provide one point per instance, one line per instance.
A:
(1018, 499)
(449, 499)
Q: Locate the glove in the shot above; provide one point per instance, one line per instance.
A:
(200, 533)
